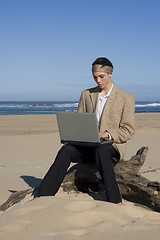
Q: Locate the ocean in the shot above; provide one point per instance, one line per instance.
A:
(51, 107)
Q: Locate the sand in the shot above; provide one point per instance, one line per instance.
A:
(28, 146)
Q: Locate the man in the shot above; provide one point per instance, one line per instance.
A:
(115, 113)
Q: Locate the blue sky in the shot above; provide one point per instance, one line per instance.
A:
(47, 47)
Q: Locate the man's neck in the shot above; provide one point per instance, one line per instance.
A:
(106, 89)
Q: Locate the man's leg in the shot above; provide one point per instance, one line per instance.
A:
(55, 175)
(103, 157)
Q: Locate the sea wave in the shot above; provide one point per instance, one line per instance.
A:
(66, 105)
(57, 105)
(10, 106)
(51, 107)
(148, 105)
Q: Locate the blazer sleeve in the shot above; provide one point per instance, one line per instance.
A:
(126, 127)
(81, 105)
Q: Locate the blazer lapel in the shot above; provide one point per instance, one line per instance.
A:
(94, 98)
(108, 105)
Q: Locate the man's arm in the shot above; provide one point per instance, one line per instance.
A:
(126, 126)
(81, 104)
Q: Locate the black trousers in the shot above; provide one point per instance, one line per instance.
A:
(102, 155)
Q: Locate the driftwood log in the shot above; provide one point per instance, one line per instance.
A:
(85, 178)
(133, 186)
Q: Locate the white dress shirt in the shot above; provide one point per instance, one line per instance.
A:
(101, 103)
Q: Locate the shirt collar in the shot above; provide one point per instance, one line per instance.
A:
(107, 95)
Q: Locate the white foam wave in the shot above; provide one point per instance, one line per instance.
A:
(54, 105)
(148, 105)
(62, 105)
(66, 105)
(10, 106)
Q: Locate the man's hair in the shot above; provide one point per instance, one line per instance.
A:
(102, 61)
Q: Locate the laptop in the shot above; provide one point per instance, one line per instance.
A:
(79, 128)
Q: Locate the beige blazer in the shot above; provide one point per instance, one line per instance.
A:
(117, 117)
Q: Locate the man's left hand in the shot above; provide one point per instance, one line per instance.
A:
(103, 135)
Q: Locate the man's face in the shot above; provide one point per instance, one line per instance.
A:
(102, 79)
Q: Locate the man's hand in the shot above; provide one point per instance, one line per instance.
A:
(103, 135)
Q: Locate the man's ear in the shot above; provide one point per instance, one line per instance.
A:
(110, 75)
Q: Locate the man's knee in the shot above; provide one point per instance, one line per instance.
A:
(65, 155)
(105, 150)
(67, 151)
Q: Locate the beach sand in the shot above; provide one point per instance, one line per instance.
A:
(28, 146)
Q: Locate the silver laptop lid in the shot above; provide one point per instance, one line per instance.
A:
(78, 127)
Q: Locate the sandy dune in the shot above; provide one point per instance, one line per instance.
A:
(28, 145)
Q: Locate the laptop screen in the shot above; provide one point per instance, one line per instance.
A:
(78, 127)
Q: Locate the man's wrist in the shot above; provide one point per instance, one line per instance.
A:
(109, 135)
